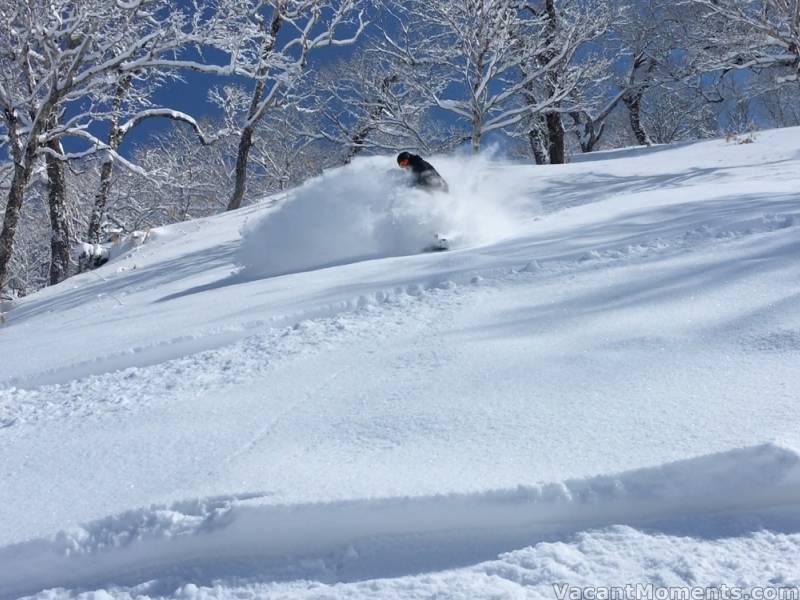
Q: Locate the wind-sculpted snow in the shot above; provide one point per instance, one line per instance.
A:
(368, 210)
(205, 540)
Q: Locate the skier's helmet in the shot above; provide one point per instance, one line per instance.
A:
(404, 159)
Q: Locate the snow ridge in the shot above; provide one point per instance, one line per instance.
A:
(228, 536)
(135, 387)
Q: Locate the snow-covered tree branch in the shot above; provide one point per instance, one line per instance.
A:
(276, 38)
(59, 55)
(747, 34)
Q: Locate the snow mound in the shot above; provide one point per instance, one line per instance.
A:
(367, 210)
(228, 536)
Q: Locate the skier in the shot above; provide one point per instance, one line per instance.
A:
(425, 176)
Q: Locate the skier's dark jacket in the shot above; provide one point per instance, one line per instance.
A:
(425, 176)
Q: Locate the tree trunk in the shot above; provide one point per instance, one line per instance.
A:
(538, 147)
(357, 141)
(476, 135)
(588, 137)
(356, 144)
(23, 167)
(537, 138)
(552, 120)
(246, 138)
(587, 131)
(100, 202)
(107, 169)
(633, 101)
(555, 133)
(16, 195)
(242, 154)
(537, 127)
(60, 235)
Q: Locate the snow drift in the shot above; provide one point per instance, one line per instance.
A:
(367, 210)
(218, 536)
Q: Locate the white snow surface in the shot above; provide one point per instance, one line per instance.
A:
(597, 385)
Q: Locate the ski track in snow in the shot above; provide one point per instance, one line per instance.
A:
(247, 359)
(214, 539)
(135, 388)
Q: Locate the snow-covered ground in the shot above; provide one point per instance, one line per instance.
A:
(597, 385)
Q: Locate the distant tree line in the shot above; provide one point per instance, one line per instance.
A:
(302, 85)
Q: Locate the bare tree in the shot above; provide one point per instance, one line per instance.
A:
(590, 125)
(286, 155)
(371, 102)
(185, 180)
(60, 230)
(117, 133)
(276, 37)
(60, 54)
(651, 60)
(481, 55)
(650, 38)
(567, 72)
(780, 106)
(114, 140)
(676, 112)
(755, 35)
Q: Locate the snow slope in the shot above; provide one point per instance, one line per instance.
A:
(597, 385)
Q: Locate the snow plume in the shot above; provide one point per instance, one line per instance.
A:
(366, 210)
